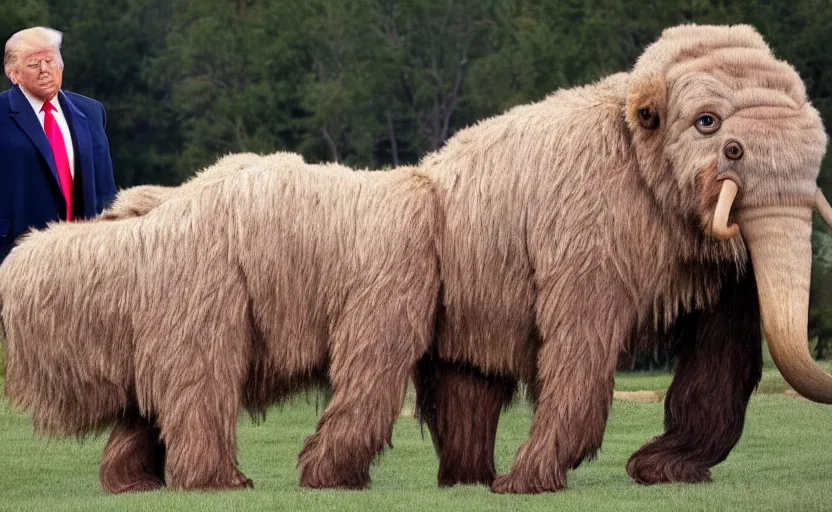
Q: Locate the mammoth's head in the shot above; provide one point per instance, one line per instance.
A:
(726, 137)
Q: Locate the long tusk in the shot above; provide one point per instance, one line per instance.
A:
(823, 207)
(721, 229)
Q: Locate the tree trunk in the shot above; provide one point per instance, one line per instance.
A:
(391, 132)
(333, 147)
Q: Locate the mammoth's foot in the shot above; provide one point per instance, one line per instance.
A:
(648, 466)
(134, 483)
(319, 471)
(465, 473)
(518, 482)
(322, 477)
(229, 480)
(234, 480)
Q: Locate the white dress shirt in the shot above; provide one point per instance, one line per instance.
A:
(62, 124)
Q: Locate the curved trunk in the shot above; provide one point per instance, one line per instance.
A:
(780, 242)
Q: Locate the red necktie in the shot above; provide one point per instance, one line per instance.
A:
(56, 140)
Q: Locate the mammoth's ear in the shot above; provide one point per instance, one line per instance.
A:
(646, 102)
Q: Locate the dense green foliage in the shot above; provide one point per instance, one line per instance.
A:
(367, 82)
(373, 83)
(776, 466)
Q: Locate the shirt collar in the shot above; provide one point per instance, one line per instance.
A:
(37, 104)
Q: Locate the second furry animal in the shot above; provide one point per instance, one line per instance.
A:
(238, 293)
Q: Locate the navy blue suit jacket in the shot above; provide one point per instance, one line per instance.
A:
(30, 194)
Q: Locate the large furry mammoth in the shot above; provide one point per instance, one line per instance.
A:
(250, 282)
(637, 204)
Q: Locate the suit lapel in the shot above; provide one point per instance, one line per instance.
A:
(82, 142)
(22, 114)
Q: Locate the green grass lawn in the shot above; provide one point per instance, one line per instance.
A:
(782, 463)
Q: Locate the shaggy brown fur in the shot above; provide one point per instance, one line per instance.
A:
(139, 200)
(134, 457)
(236, 293)
(461, 407)
(719, 363)
(135, 202)
(573, 223)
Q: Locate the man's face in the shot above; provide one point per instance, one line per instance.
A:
(40, 73)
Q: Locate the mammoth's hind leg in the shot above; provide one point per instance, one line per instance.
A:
(575, 379)
(197, 390)
(134, 457)
(719, 363)
(461, 407)
(356, 425)
(374, 349)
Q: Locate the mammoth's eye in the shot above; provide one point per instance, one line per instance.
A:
(707, 123)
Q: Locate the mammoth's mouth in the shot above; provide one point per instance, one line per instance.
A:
(720, 228)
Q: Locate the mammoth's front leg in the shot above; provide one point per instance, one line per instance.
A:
(576, 374)
(719, 364)
(134, 457)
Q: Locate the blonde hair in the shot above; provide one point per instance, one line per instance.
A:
(35, 39)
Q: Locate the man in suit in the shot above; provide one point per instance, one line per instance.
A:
(54, 155)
